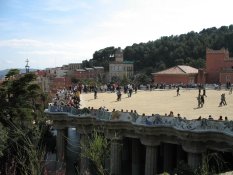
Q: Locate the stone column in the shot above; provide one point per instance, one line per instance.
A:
(84, 163)
(151, 154)
(135, 157)
(60, 145)
(180, 155)
(195, 151)
(168, 157)
(116, 157)
(126, 156)
(151, 160)
(194, 160)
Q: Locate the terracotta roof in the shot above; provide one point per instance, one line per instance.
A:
(180, 69)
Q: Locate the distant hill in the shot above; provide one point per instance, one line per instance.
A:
(168, 51)
(5, 71)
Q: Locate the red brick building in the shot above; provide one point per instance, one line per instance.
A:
(89, 73)
(80, 74)
(219, 66)
(219, 69)
(175, 75)
(60, 83)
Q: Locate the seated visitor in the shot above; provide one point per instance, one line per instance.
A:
(210, 117)
(171, 114)
(220, 118)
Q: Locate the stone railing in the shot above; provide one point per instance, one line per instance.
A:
(157, 120)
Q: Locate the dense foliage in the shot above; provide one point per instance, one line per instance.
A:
(22, 125)
(96, 150)
(169, 51)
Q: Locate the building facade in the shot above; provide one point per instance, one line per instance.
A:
(94, 73)
(43, 80)
(120, 68)
(72, 66)
(219, 69)
(176, 75)
(219, 66)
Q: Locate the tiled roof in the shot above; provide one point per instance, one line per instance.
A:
(181, 69)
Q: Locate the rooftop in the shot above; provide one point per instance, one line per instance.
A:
(180, 69)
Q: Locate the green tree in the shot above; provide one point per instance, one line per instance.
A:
(3, 139)
(74, 80)
(142, 79)
(125, 80)
(22, 124)
(97, 151)
(170, 50)
(115, 79)
(103, 57)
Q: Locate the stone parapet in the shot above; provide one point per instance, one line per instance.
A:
(216, 135)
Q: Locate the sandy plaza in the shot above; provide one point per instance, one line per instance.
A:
(163, 101)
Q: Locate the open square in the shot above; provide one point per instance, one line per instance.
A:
(164, 101)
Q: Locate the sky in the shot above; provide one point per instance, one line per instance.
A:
(51, 33)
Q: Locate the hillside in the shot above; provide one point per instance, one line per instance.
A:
(169, 51)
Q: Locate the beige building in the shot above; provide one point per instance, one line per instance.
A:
(120, 68)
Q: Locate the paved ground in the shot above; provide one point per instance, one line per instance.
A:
(164, 101)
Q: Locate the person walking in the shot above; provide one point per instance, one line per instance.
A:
(223, 100)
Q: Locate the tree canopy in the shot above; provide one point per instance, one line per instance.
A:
(22, 125)
(168, 51)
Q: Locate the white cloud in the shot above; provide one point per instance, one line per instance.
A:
(117, 23)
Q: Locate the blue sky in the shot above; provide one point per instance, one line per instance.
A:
(51, 33)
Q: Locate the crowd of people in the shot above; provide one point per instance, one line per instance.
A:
(68, 97)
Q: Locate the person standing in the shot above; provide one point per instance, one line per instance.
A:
(199, 90)
(95, 93)
(199, 101)
(118, 95)
(178, 91)
(202, 100)
(230, 91)
(224, 99)
(204, 92)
